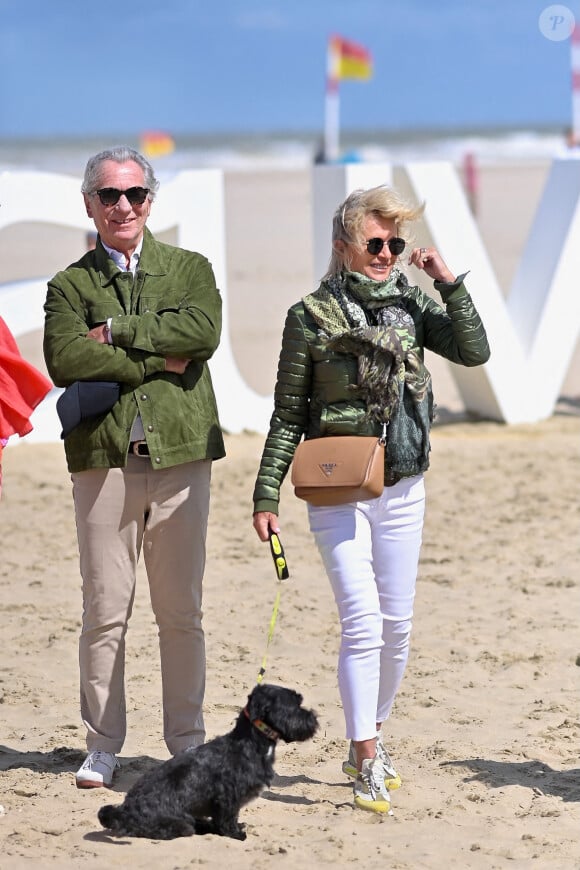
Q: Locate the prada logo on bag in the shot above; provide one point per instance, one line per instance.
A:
(328, 467)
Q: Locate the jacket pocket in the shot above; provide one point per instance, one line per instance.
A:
(158, 304)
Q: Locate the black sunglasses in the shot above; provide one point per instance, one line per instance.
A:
(396, 246)
(111, 196)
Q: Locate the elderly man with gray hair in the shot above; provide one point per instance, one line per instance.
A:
(144, 317)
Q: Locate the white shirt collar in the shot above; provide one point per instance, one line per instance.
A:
(120, 259)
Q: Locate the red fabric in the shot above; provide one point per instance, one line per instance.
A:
(22, 387)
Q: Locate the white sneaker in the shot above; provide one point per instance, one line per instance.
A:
(370, 792)
(97, 770)
(392, 778)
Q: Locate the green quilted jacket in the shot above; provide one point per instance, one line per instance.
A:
(170, 308)
(312, 396)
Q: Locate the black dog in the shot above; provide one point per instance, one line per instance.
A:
(202, 790)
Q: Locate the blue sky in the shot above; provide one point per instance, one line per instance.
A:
(78, 68)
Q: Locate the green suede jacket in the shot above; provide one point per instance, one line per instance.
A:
(312, 395)
(170, 308)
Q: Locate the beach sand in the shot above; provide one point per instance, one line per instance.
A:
(485, 729)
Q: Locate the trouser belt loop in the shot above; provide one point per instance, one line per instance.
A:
(139, 448)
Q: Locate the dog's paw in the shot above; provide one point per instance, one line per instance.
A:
(236, 832)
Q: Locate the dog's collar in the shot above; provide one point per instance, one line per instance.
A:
(261, 726)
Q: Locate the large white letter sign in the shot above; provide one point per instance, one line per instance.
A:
(532, 334)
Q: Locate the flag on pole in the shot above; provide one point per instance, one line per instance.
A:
(349, 59)
(156, 143)
(345, 60)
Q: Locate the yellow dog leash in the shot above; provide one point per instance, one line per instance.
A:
(282, 573)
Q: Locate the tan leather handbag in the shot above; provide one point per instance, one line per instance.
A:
(339, 469)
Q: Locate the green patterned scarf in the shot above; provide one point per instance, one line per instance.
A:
(368, 319)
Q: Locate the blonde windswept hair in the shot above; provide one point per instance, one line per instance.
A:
(348, 220)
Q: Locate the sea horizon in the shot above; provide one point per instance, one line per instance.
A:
(292, 149)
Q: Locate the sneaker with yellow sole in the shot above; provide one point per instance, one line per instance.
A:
(392, 778)
(370, 792)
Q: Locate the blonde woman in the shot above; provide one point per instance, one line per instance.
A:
(351, 362)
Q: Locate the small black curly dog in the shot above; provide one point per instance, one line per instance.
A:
(202, 790)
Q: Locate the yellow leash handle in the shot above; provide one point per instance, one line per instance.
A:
(278, 556)
(282, 573)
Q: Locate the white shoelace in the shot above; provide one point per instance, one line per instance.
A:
(385, 758)
(98, 755)
(374, 778)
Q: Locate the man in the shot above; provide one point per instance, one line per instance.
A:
(146, 316)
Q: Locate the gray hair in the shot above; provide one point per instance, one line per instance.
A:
(348, 220)
(119, 154)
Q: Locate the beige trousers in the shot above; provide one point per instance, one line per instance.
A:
(119, 512)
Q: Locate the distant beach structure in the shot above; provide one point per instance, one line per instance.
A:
(471, 180)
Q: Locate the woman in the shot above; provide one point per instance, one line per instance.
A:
(351, 361)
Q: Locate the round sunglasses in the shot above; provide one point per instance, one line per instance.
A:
(396, 246)
(111, 195)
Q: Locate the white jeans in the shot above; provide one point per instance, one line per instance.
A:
(370, 550)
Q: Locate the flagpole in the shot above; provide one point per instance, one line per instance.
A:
(344, 60)
(575, 64)
(332, 105)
